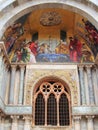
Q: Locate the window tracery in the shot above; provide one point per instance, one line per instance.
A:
(52, 105)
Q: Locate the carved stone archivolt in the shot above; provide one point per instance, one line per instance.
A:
(50, 18)
(68, 76)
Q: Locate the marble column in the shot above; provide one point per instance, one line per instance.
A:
(95, 84)
(21, 89)
(4, 79)
(2, 122)
(90, 85)
(90, 125)
(27, 125)
(14, 125)
(12, 85)
(77, 122)
(1, 74)
(82, 85)
(7, 87)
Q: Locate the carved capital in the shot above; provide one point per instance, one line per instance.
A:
(81, 67)
(27, 117)
(22, 67)
(13, 67)
(88, 66)
(90, 117)
(77, 118)
(14, 118)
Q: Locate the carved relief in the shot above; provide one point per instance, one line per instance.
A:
(50, 19)
(68, 76)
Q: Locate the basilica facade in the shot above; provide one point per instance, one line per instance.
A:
(48, 65)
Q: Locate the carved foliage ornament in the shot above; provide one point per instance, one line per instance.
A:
(50, 19)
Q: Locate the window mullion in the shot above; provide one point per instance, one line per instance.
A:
(58, 111)
(45, 110)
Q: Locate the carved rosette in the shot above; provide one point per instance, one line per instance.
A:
(68, 76)
(50, 19)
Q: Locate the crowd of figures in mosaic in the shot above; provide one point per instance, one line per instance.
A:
(73, 49)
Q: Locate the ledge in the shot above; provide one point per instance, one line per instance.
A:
(15, 109)
(85, 110)
(18, 110)
(27, 110)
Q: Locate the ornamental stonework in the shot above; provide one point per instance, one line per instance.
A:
(50, 18)
(33, 76)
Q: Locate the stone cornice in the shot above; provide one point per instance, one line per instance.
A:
(15, 109)
(18, 110)
(85, 110)
(27, 110)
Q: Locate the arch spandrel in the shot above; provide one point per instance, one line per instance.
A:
(66, 77)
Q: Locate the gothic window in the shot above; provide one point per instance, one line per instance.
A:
(52, 105)
(40, 110)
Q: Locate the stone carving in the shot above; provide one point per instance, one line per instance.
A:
(50, 19)
(34, 76)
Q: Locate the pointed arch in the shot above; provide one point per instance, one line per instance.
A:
(52, 102)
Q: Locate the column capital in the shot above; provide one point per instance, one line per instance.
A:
(77, 118)
(2, 114)
(22, 66)
(81, 66)
(27, 117)
(14, 118)
(88, 66)
(90, 117)
(13, 67)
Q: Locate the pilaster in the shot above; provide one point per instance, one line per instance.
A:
(82, 85)
(90, 125)
(12, 85)
(4, 78)
(20, 99)
(95, 84)
(27, 125)
(2, 119)
(90, 85)
(14, 125)
(1, 74)
(77, 122)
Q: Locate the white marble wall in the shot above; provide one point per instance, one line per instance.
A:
(96, 123)
(83, 123)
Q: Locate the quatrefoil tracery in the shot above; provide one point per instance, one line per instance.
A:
(56, 88)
